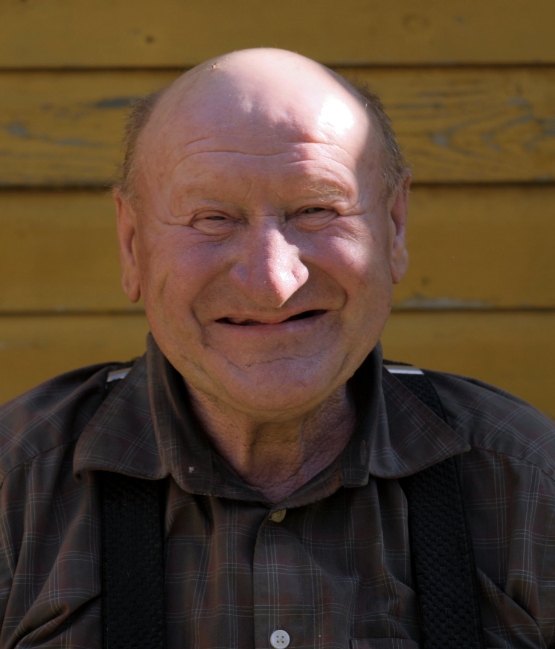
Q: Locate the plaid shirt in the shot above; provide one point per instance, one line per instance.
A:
(330, 565)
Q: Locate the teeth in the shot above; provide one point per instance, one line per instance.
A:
(236, 321)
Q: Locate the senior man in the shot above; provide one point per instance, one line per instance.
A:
(261, 219)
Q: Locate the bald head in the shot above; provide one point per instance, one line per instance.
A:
(261, 238)
(257, 89)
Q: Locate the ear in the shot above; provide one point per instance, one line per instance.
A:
(398, 212)
(127, 237)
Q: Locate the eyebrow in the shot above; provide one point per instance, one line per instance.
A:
(329, 190)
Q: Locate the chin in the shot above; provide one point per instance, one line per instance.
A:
(277, 392)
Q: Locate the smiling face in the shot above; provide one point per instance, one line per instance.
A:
(264, 246)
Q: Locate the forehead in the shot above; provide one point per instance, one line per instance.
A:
(259, 164)
(243, 179)
(279, 119)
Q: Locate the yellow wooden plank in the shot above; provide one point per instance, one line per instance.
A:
(515, 351)
(456, 125)
(480, 247)
(472, 125)
(58, 252)
(512, 350)
(33, 349)
(66, 128)
(173, 32)
(471, 247)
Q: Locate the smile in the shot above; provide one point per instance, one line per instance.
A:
(249, 322)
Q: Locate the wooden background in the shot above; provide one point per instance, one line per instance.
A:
(470, 87)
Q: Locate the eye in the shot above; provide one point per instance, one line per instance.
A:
(315, 217)
(313, 210)
(213, 223)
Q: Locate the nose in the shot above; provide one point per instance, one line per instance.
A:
(269, 269)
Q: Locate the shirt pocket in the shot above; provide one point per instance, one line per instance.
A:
(383, 643)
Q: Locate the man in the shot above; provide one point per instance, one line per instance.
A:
(261, 219)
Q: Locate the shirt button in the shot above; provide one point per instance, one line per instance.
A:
(278, 515)
(280, 639)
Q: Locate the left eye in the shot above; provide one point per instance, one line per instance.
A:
(313, 210)
(315, 217)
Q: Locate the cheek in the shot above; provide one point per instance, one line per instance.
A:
(362, 269)
(179, 278)
(359, 262)
(162, 271)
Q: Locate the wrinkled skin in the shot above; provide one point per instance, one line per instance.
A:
(263, 245)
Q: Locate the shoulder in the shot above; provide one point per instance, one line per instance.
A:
(50, 415)
(495, 421)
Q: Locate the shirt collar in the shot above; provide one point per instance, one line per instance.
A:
(397, 434)
(146, 428)
(120, 435)
(409, 436)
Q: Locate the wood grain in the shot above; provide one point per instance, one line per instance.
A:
(456, 125)
(110, 33)
(474, 247)
(512, 350)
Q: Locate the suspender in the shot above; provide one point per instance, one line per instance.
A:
(441, 546)
(443, 564)
(132, 562)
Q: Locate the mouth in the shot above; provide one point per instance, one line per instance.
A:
(248, 322)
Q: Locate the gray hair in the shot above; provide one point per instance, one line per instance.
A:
(395, 168)
(137, 118)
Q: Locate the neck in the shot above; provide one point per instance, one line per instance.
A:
(278, 455)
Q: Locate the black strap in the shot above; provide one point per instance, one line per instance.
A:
(441, 546)
(132, 562)
(443, 563)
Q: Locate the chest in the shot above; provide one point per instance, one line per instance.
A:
(324, 574)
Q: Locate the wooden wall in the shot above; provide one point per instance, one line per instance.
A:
(470, 87)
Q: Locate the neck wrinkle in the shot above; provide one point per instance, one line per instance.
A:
(278, 457)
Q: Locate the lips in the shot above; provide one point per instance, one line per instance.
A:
(249, 322)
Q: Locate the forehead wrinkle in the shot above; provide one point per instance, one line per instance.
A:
(306, 184)
(250, 154)
(296, 164)
(222, 140)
